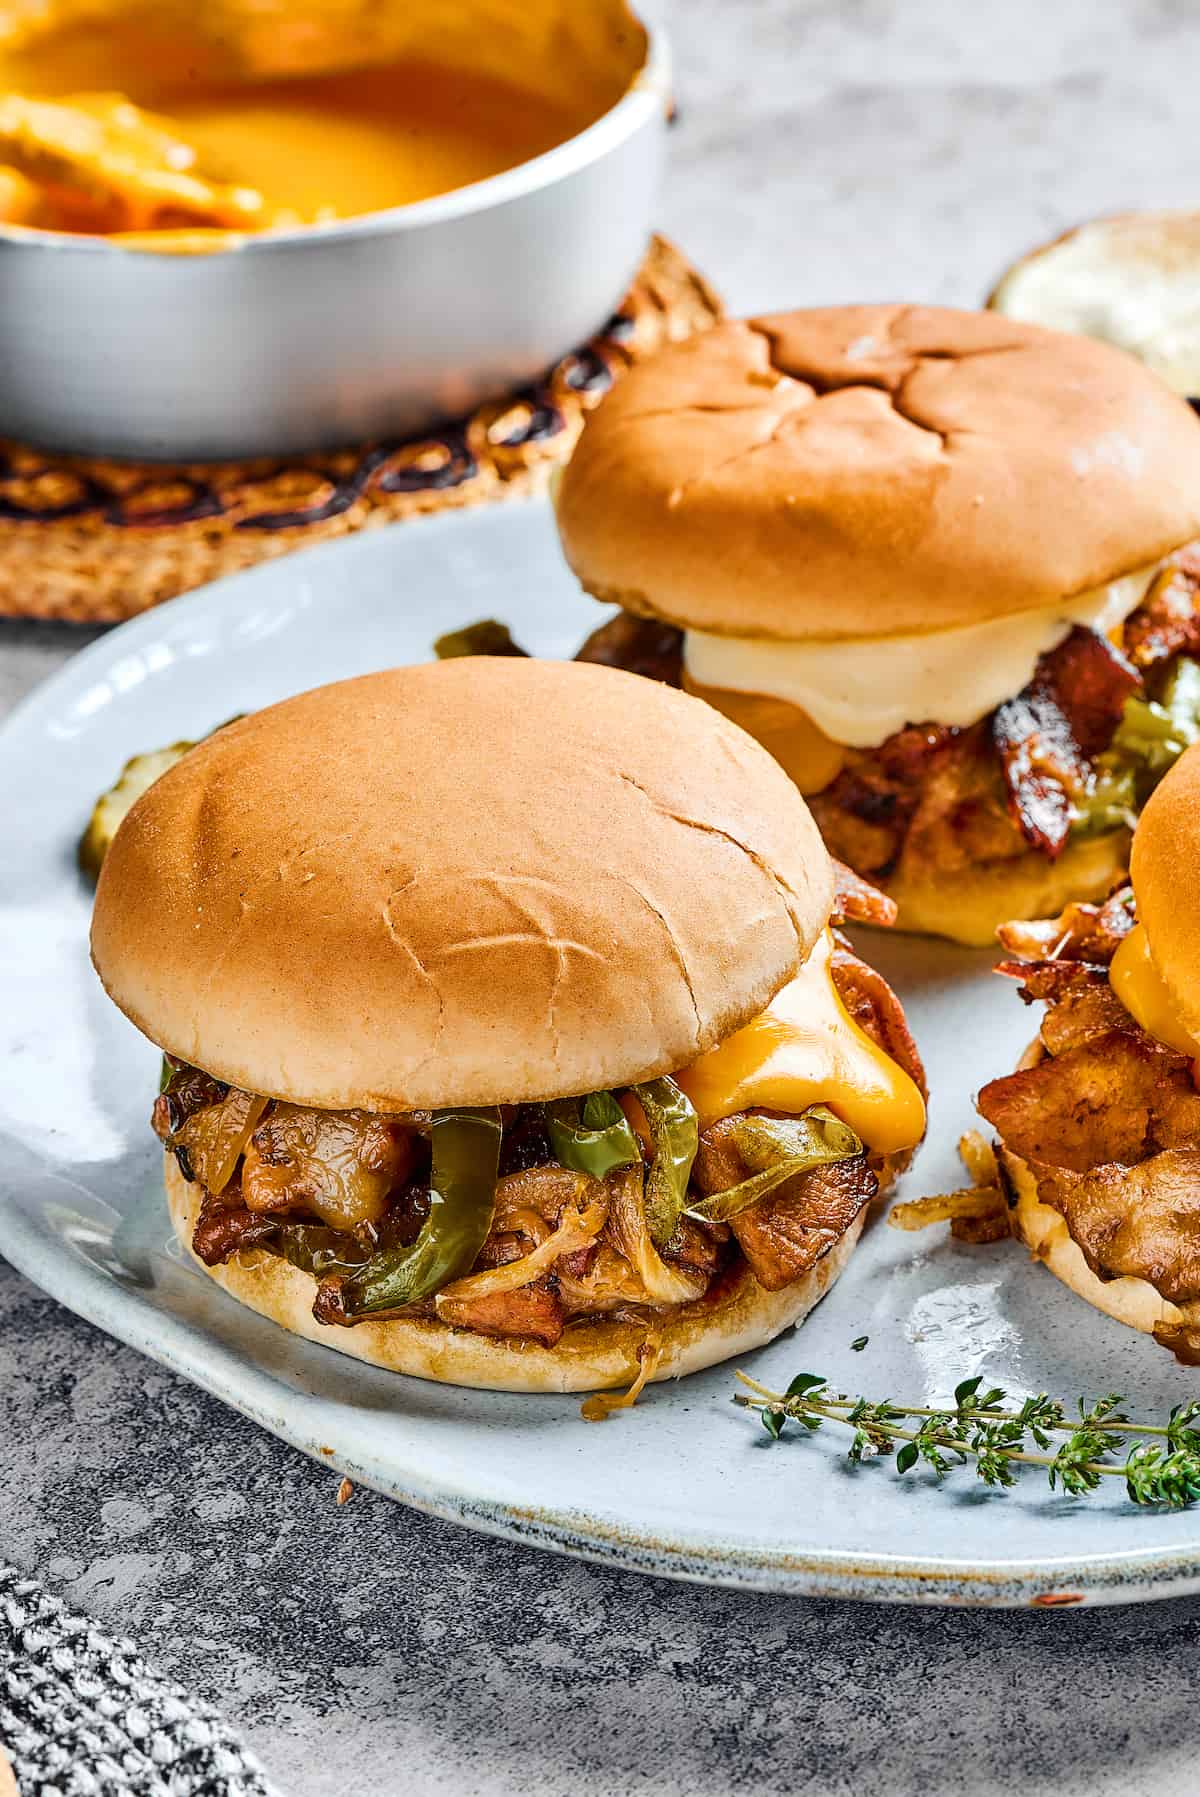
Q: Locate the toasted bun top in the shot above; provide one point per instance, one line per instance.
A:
(462, 883)
(869, 470)
(1165, 869)
(1130, 279)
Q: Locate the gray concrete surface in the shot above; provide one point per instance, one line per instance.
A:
(861, 149)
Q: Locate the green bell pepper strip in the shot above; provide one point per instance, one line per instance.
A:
(777, 1149)
(816, 1135)
(1175, 717)
(1112, 804)
(462, 1191)
(594, 1136)
(1152, 735)
(316, 1249)
(675, 1132)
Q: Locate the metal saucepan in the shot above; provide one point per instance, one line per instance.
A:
(370, 327)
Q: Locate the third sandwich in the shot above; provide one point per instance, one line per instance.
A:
(1099, 1128)
(940, 563)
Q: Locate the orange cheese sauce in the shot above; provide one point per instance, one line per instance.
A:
(313, 150)
(337, 145)
(804, 1049)
(168, 131)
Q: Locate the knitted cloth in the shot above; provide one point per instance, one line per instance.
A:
(82, 1715)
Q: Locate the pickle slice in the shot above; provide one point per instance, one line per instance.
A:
(140, 772)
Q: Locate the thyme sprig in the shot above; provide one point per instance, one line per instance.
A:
(1160, 1464)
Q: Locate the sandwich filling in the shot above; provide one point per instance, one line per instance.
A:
(985, 777)
(857, 689)
(518, 1220)
(1105, 1114)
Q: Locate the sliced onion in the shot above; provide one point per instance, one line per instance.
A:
(216, 1138)
(610, 1283)
(630, 1233)
(577, 1228)
(601, 1404)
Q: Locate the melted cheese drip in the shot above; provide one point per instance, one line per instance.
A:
(861, 690)
(1141, 989)
(806, 1049)
(804, 753)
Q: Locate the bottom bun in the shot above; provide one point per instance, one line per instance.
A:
(1134, 1302)
(592, 1355)
(970, 904)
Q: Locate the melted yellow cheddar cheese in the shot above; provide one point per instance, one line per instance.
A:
(1141, 989)
(804, 752)
(804, 1049)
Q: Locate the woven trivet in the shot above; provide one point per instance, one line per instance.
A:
(92, 542)
(82, 1715)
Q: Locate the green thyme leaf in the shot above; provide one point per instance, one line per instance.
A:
(1161, 1464)
(804, 1382)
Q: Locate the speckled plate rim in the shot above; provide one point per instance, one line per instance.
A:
(305, 1419)
(1047, 1583)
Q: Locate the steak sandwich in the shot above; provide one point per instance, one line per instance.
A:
(509, 1039)
(940, 563)
(1099, 1129)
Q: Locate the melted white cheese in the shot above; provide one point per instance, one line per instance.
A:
(860, 691)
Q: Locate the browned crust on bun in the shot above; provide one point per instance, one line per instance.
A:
(591, 1356)
(1165, 870)
(857, 471)
(481, 881)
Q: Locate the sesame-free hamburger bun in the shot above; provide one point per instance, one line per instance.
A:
(473, 882)
(478, 883)
(1165, 870)
(866, 471)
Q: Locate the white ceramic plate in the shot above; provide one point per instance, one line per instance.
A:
(685, 1484)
